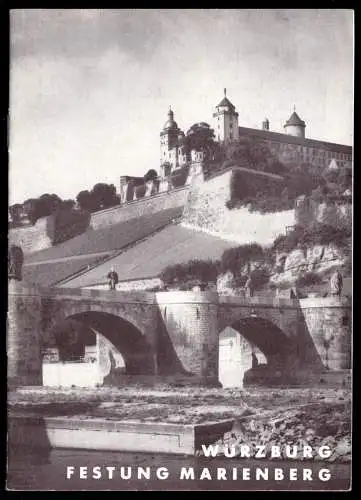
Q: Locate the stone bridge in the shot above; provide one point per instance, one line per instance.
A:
(171, 334)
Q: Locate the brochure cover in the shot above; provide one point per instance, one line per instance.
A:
(180, 250)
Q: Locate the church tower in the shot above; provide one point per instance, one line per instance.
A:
(169, 141)
(294, 125)
(226, 121)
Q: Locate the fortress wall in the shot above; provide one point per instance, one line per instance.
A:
(131, 210)
(206, 211)
(31, 238)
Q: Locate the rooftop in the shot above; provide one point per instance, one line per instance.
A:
(294, 119)
(291, 139)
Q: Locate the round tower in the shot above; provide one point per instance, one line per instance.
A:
(294, 125)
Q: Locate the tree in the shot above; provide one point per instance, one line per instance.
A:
(48, 204)
(200, 137)
(29, 208)
(254, 154)
(104, 195)
(15, 213)
(151, 175)
(85, 200)
(67, 204)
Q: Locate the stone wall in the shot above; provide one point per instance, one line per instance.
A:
(31, 238)
(206, 211)
(131, 210)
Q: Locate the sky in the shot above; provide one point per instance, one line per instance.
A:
(90, 89)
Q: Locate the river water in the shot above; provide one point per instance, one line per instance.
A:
(31, 469)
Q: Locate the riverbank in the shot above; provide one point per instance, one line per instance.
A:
(299, 417)
(166, 404)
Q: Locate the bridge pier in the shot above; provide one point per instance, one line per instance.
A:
(328, 321)
(191, 322)
(23, 335)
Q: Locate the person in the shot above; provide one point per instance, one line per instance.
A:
(336, 283)
(249, 287)
(254, 360)
(113, 279)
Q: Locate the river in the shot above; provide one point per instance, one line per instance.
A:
(31, 469)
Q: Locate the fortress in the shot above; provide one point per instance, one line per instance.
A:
(289, 146)
(292, 146)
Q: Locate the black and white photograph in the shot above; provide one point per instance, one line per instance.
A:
(180, 250)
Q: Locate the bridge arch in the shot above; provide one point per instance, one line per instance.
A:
(257, 346)
(115, 337)
(131, 313)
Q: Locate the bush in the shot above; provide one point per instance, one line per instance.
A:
(308, 279)
(315, 234)
(65, 224)
(151, 175)
(234, 259)
(179, 176)
(259, 277)
(202, 270)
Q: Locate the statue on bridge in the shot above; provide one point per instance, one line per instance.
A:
(15, 262)
(336, 283)
(248, 287)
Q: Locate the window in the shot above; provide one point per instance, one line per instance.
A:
(231, 125)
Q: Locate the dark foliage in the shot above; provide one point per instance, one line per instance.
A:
(308, 279)
(198, 270)
(101, 196)
(234, 259)
(314, 234)
(179, 176)
(151, 175)
(65, 224)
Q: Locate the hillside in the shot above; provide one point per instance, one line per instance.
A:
(109, 238)
(51, 265)
(147, 259)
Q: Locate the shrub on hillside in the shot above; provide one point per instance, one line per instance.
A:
(65, 224)
(260, 278)
(308, 279)
(314, 234)
(202, 270)
(234, 259)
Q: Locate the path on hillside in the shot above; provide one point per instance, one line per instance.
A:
(71, 257)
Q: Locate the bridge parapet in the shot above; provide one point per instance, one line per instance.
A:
(186, 297)
(317, 302)
(274, 302)
(103, 295)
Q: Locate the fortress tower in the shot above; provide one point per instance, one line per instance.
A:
(169, 141)
(226, 121)
(294, 125)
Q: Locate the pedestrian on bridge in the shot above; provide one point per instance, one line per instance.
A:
(113, 279)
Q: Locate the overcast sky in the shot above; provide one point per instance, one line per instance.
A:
(90, 89)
